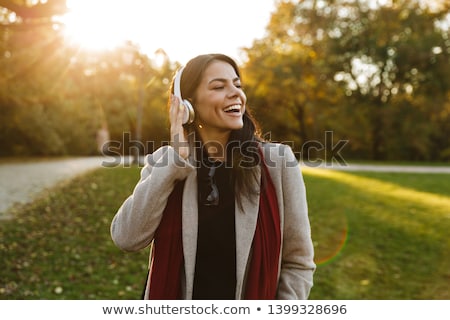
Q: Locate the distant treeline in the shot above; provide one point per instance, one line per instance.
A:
(325, 72)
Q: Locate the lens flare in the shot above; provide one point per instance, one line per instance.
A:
(327, 251)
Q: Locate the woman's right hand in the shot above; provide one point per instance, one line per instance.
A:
(177, 132)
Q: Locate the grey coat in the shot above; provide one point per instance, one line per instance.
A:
(134, 224)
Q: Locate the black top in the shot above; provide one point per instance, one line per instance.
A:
(215, 269)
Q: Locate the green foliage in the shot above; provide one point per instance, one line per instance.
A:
(376, 76)
(55, 105)
(55, 97)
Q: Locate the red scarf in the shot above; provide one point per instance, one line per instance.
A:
(167, 252)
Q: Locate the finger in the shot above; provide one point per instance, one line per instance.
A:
(176, 121)
(173, 107)
(180, 114)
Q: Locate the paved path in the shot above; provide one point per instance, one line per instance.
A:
(21, 182)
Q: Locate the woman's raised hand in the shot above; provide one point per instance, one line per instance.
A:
(177, 132)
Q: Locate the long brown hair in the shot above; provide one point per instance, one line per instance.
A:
(243, 143)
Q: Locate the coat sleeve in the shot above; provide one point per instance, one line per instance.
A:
(297, 256)
(137, 219)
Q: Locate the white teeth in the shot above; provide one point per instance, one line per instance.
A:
(235, 107)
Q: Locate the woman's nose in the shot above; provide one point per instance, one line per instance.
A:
(235, 92)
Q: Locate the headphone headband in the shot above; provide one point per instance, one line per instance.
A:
(189, 110)
(177, 83)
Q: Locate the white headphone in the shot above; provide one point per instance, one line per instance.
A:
(189, 114)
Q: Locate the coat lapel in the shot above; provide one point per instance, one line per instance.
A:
(246, 219)
(190, 227)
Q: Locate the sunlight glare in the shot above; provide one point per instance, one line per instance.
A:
(182, 28)
(439, 203)
(96, 25)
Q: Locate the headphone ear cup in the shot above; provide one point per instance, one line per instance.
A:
(189, 113)
(188, 116)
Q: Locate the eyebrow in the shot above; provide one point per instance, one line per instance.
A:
(223, 80)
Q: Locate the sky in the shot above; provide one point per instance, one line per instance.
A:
(183, 29)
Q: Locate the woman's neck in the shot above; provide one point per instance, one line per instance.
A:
(215, 143)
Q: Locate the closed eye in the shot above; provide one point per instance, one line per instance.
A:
(220, 83)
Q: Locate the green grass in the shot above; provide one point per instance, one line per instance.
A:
(376, 236)
(380, 235)
(400, 163)
(59, 247)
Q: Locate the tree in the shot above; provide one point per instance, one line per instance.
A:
(388, 64)
(55, 97)
(30, 58)
(30, 10)
(367, 72)
(288, 81)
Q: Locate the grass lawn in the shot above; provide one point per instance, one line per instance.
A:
(376, 235)
(380, 235)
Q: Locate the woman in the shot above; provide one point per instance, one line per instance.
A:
(224, 211)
